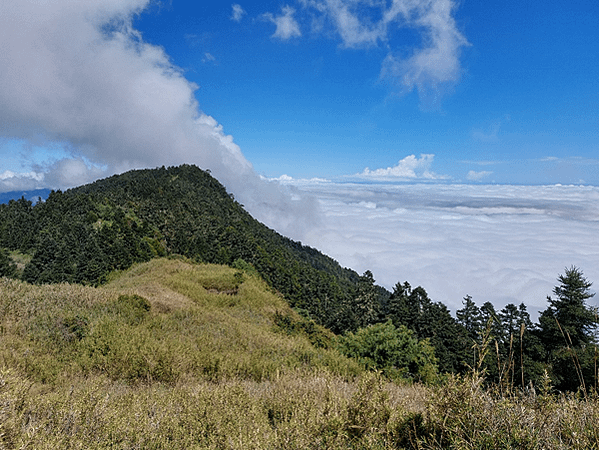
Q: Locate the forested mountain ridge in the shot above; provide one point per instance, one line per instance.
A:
(82, 234)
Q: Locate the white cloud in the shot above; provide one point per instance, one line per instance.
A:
(437, 63)
(354, 29)
(287, 26)
(9, 175)
(431, 68)
(26, 181)
(208, 57)
(78, 73)
(477, 176)
(238, 12)
(286, 179)
(67, 173)
(503, 244)
(410, 168)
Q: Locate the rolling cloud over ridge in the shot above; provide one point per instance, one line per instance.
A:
(78, 75)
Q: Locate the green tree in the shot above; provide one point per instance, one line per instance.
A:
(470, 318)
(17, 225)
(40, 268)
(430, 320)
(404, 308)
(490, 318)
(365, 303)
(519, 347)
(510, 320)
(566, 330)
(568, 320)
(396, 351)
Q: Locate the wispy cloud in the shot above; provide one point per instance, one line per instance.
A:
(478, 176)
(579, 160)
(491, 134)
(435, 66)
(238, 13)
(430, 69)
(287, 180)
(208, 58)
(409, 168)
(286, 25)
(481, 163)
(354, 28)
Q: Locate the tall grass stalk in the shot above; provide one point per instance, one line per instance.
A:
(522, 328)
(574, 356)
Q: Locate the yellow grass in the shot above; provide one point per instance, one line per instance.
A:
(175, 355)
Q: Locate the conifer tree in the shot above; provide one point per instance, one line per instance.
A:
(490, 318)
(469, 316)
(510, 320)
(430, 320)
(365, 302)
(566, 329)
(568, 320)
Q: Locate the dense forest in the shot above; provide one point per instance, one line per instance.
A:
(84, 234)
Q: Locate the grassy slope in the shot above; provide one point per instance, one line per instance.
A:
(168, 354)
(174, 355)
(159, 321)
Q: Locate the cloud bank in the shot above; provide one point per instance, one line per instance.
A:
(503, 244)
(77, 74)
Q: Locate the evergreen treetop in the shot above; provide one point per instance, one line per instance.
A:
(569, 320)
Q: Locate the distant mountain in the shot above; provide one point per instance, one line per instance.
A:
(32, 196)
(83, 234)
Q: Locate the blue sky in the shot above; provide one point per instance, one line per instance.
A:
(522, 105)
(489, 92)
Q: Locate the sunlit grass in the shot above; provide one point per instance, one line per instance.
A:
(174, 355)
(164, 320)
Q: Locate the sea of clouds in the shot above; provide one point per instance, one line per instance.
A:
(497, 243)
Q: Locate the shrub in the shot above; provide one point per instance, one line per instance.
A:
(395, 351)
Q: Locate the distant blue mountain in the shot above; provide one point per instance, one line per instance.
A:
(34, 195)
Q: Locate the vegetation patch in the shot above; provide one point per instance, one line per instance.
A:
(241, 338)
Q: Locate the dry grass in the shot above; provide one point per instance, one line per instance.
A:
(461, 414)
(295, 411)
(173, 355)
